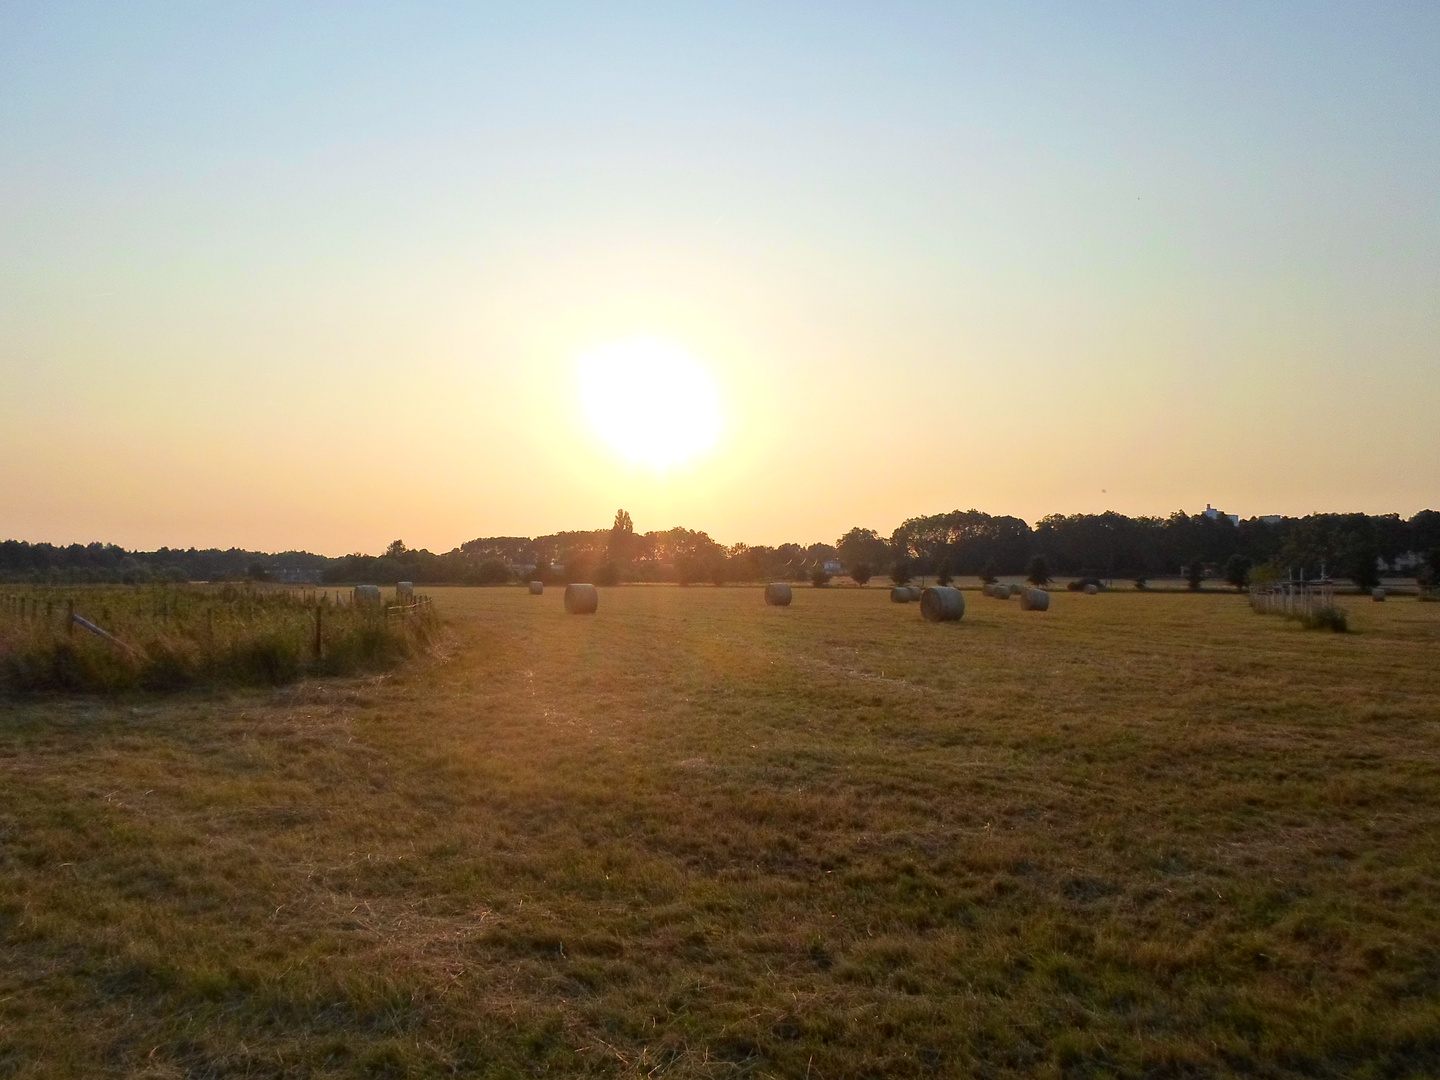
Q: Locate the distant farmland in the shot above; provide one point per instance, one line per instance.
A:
(693, 836)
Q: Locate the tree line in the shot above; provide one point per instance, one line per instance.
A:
(968, 542)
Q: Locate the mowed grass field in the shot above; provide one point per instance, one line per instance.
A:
(1136, 835)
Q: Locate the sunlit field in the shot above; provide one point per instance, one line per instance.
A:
(1135, 835)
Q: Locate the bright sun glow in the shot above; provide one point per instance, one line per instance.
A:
(651, 400)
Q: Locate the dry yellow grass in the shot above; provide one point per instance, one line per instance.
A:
(695, 836)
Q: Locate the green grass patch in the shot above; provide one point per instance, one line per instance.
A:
(161, 638)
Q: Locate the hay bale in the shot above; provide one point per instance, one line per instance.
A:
(405, 590)
(367, 595)
(986, 589)
(914, 592)
(900, 594)
(1377, 594)
(581, 599)
(1034, 600)
(1004, 592)
(537, 588)
(778, 594)
(1091, 589)
(941, 603)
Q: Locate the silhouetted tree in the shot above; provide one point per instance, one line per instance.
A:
(1429, 575)
(717, 568)
(988, 572)
(1237, 570)
(860, 573)
(862, 546)
(1039, 572)
(942, 571)
(396, 549)
(542, 564)
(579, 566)
(1195, 574)
(819, 576)
(488, 572)
(622, 540)
(1362, 567)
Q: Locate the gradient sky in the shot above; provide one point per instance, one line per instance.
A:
(288, 275)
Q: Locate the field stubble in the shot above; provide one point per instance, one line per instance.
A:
(695, 836)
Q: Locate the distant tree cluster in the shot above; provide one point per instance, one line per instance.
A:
(109, 564)
(959, 543)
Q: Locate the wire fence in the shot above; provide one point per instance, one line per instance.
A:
(1309, 602)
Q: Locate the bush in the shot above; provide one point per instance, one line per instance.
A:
(1362, 569)
(607, 574)
(860, 574)
(900, 572)
(1039, 572)
(942, 573)
(989, 572)
(819, 577)
(1142, 583)
(579, 566)
(1194, 575)
(272, 656)
(687, 569)
(1266, 572)
(1237, 570)
(1327, 618)
(489, 572)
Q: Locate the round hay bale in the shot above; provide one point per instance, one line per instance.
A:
(900, 595)
(367, 595)
(778, 594)
(537, 588)
(581, 599)
(914, 592)
(986, 589)
(1034, 600)
(941, 603)
(1091, 589)
(404, 590)
(1004, 592)
(1377, 594)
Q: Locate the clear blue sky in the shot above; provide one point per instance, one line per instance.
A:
(316, 275)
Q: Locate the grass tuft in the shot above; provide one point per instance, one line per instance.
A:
(172, 638)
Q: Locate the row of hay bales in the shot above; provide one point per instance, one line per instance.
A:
(946, 604)
(939, 603)
(1031, 598)
(580, 598)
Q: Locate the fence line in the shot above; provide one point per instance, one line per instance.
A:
(1296, 599)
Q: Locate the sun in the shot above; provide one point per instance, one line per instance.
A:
(651, 400)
